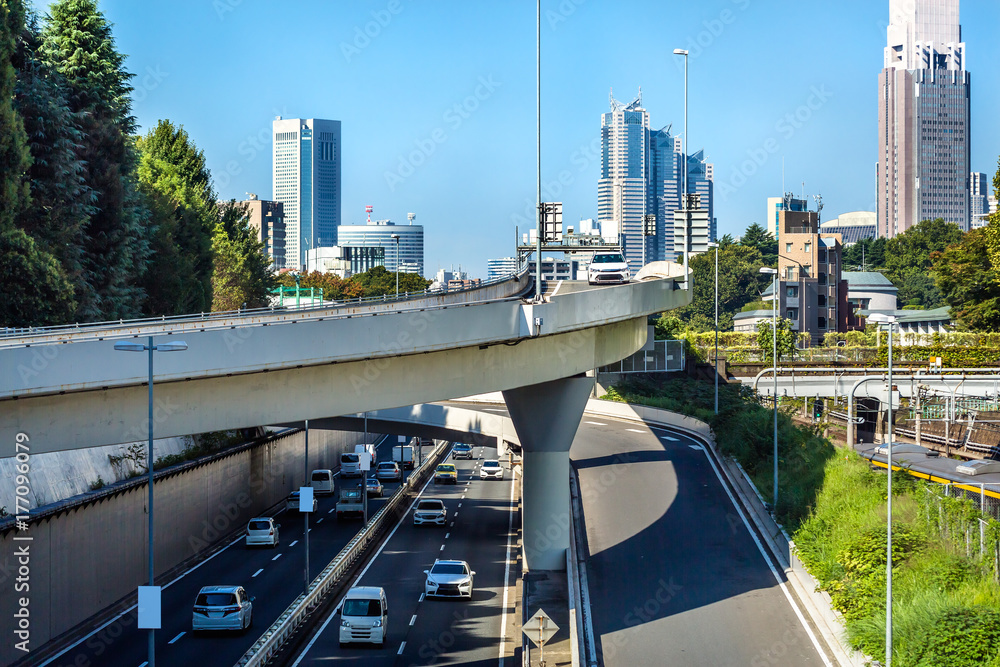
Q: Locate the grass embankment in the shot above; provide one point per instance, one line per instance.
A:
(946, 603)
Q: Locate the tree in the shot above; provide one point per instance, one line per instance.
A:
(77, 42)
(761, 239)
(865, 255)
(966, 277)
(173, 176)
(786, 339)
(377, 281)
(334, 287)
(908, 261)
(242, 273)
(740, 282)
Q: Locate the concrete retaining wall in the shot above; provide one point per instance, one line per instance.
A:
(92, 555)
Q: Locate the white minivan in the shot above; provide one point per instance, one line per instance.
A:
(350, 465)
(364, 617)
(322, 481)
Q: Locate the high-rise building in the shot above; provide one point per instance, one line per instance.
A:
(642, 173)
(408, 255)
(777, 204)
(923, 151)
(500, 268)
(267, 218)
(344, 261)
(307, 181)
(979, 199)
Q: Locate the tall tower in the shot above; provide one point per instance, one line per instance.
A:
(924, 125)
(306, 181)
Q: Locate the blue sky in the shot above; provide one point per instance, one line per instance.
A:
(437, 98)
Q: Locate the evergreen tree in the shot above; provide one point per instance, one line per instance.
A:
(964, 273)
(242, 272)
(173, 176)
(761, 239)
(79, 45)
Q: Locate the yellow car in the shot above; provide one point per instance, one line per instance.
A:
(446, 473)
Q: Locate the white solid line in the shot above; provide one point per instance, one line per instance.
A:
(176, 638)
(293, 543)
(256, 573)
(400, 651)
(336, 609)
(635, 430)
(413, 620)
(276, 557)
(506, 574)
(595, 423)
(770, 565)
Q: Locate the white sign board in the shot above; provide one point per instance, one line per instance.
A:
(365, 462)
(306, 499)
(539, 628)
(149, 608)
(401, 439)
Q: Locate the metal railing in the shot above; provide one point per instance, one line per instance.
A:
(666, 356)
(289, 621)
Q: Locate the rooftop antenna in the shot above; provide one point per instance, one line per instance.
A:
(411, 217)
(368, 210)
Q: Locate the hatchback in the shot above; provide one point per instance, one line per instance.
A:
(262, 531)
(374, 486)
(222, 608)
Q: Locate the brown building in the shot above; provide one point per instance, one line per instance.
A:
(812, 294)
(267, 218)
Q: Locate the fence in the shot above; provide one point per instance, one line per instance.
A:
(967, 518)
(667, 356)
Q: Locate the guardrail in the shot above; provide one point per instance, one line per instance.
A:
(289, 621)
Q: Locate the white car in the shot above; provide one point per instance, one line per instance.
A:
(607, 267)
(364, 616)
(388, 471)
(430, 511)
(449, 579)
(262, 531)
(491, 470)
(222, 608)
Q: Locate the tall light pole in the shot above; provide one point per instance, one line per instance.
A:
(538, 147)
(684, 161)
(176, 346)
(774, 360)
(716, 246)
(395, 237)
(889, 320)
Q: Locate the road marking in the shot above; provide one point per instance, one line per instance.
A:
(494, 410)
(276, 557)
(460, 504)
(635, 430)
(319, 520)
(400, 651)
(506, 575)
(177, 637)
(422, 596)
(256, 573)
(328, 511)
(145, 662)
(697, 448)
(452, 523)
(447, 535)
(667, 437)
(456, 516)
(595, 423)
(442, 548)
(294, 542)
(413, 620)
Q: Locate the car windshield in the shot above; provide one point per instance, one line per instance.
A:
(462, 447)
(491, 464)
(362, 608)
(349, 458)
(216, 599)
(608, 259)
(444, 467)
(430, 505)
(448, 568)
(260, 525)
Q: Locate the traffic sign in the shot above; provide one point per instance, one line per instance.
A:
(539, 628)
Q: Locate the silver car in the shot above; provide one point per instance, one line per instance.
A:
(262, 531)
(450, 579)
(222, 608)
(430, 511)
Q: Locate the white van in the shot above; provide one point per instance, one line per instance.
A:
(322, 481)
(364, 617)
(350, 465)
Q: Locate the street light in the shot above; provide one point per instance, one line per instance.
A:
(881, 318)
(176, 346)
(716, 246)
(395, 237)
(774, 339)
(684, 146)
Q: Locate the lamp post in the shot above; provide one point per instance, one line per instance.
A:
(684, 161)
(716, 246)
(774, 360)
(889, 320)
(176, 346)
(395, 237)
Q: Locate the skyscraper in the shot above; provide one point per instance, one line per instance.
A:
(979, 198)
(642, 173)
(406, 256)
(307, 182)
(923, 160)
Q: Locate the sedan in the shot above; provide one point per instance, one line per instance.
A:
(446, 473)
(491, 470)
(461, 451)
(449, 578)
(430, 511)
(374, 486)
(388, 470)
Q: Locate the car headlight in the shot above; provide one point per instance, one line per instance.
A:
(345, 624)
(377, 624)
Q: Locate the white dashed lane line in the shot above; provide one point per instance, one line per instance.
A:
(442, 548)
(413, 620)
(401, 647)
(276, 557)
(176, 638)
(294, 542)
(422, 596)
(256, 573)
(667, 437)
(595, 423)
(635, 430)
(447, 535)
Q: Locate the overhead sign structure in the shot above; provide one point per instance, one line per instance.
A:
(551, 221)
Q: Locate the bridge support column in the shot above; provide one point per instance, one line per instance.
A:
(546, 417)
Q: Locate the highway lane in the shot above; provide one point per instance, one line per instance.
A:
(274, 576)
(431, 631)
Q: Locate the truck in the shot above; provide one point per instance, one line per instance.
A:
(403, 455)
(351, 503)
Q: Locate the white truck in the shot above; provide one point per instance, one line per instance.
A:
(403, 455)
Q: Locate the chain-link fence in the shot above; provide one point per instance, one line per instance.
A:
(666, 356)
(966, 516)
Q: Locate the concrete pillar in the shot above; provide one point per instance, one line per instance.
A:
(546, 417)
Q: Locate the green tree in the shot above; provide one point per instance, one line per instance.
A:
(79, 45)
(334, 287)
(966, 277)
(242, 273)
(866, 255)
(786, 339)
(757, 237)
(908, 261)
(740, 282)
(35, 290)
(173, 176)
(377, 281)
